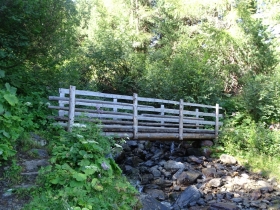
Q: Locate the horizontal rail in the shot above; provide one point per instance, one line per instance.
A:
(139, 117)
(153, 100)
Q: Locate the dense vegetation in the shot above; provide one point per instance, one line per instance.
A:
(209, 52)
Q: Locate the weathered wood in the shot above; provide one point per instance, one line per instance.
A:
(181, 117)
(135, 116)
(127, 106)
(144, 129)
(217, 121)
(160, 136)
(71, 114)
(120, 122)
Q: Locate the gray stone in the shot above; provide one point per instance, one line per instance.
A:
(228, 159)
(146, 178)
(177, 174)
(173, 166)
(190, 195)
(195, 159)
(188, 177)
(128, 169)
(42, 153)
(216, 182)
(149, 163)
(265, 186)
(156, 173)
(162, 182)
(150, 203)
(209, 172)
(156, 193)
(223, 206)
(237, 200)
(34, 165)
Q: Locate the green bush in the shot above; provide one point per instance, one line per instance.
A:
(242, 133)
(10, 121)
(82, 175)
(261, 98)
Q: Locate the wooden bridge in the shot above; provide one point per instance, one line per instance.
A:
(136, 117)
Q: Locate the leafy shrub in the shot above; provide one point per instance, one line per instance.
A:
(83, 175)
(242, 133)
(10, 121)
(261, 98)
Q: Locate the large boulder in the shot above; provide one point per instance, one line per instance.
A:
(190, 195)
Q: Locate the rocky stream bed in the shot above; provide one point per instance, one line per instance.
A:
(179, 176)
(169, 175)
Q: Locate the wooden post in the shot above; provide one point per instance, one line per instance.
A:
(162, 113)
(197, 116)
(115, 109)
(61, 104)
(135, 116)
(71, 112)
(217, 122)
(181, 116)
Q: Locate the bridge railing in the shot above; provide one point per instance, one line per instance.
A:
(137, 117)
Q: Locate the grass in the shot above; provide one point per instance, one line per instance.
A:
(265, 165)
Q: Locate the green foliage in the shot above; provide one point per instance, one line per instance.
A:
(13, 174)
(261, 99)
(83, 175)
(10, 121)
(242, 133)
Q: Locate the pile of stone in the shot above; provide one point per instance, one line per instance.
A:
(177, 176)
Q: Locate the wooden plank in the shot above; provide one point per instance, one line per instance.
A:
(135, 116)
(155, 100)
(217, 122)
(71, 113)
(171, 116)
(119, 122)
(181, 116)
(176, 120)
(122, 128)
(98, 94)
(160, 136)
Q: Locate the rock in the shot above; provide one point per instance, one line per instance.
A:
(177, 174)
(127, 169)
(156, 173)
(188, 177)
(150, 203)
(216, 182)
(173, 166)
(149, 163)
(190, 195)
(228, 159)
(223, 206)
(132, 144)
(155, 193)
(209, 172)
(195, 159)
(256, 194)
(34, 165)
(265, 186)
(42, 153)
(162, 182)
(237, 200)
(146, 178)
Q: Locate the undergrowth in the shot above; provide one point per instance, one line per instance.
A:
(83, 175)
(254, 144)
